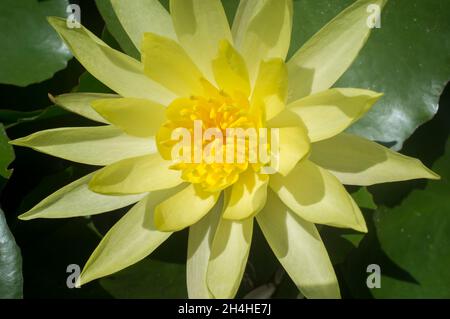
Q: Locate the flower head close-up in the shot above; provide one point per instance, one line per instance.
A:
(216, 129)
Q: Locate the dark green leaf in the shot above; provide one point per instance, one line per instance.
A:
(31, 51)
(148, 279)
(13, 118)
(410, 243)
(364, 198)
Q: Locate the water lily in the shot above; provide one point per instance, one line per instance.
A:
(194, 67)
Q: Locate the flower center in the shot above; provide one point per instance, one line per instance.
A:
(214, 138)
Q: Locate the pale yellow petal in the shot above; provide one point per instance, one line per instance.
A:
(76, 199)
(318, 197)
(330, 52)
(299, 248)
(230, 70)
(138, 117)
(116, 70)
(229, 254)
(100, 145)
(201, 236)
(140, 16)
(200, 25)
(80, 103)
(246, 197)
(293, 146)
(167, 63)
(130, 240)
(271, 87)
(184, 209)
(330, 112)
(136, 175)
(357, 161)
(262, 30)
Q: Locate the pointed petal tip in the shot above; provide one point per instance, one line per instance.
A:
(434, 176)
(55, 21)
(18, 142)
(51, 97)
(78, 283)
(428, 173)
(378, 95)
(25, 217)
(83, 279)
(362, 228)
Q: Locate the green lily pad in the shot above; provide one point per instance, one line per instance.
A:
(408, 59)
(31, 51)
(148, 279)
(410, 244)
(416, 236)
(161, 275)
(11, 280)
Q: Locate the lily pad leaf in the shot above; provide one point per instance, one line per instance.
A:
(407, 59)
(31, 51)
(409, 243)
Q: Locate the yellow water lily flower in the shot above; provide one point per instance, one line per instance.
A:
(195, 68)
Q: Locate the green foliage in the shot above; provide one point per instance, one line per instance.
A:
(31, 51)
(408, 59)
(410, 243)
(409, 223)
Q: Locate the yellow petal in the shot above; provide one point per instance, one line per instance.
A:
(246, 197)
(140, 16)
(318, 197)
(116, 70)
(299, 248)
(271, 87)
(262, 30)
(130, 240)
(184, 209)
(357, 161)
(138, 117)
(294, 146)
(230, 70)
(330, 52)
(330, 112)
(200, 240)
(80, 103)
(100, 145)
(136, 175)
(200, 26)
(76, 199)
(229, 254)
(167, 63)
